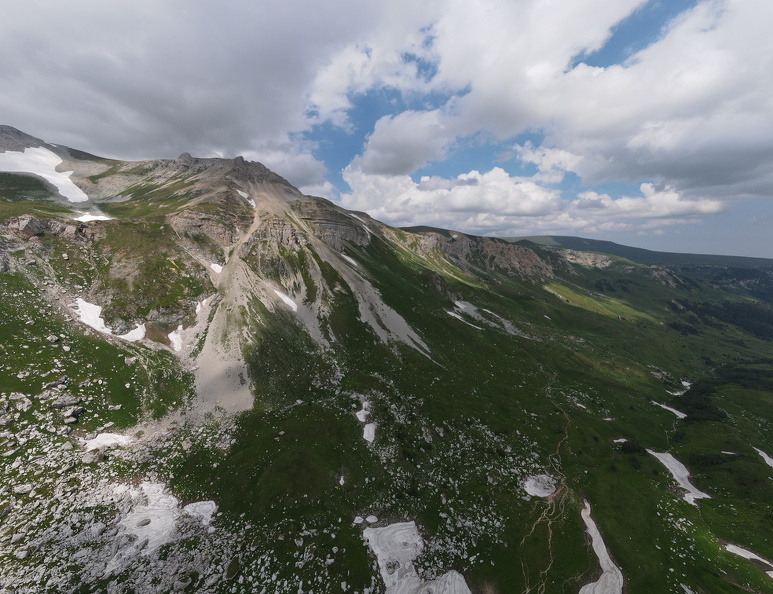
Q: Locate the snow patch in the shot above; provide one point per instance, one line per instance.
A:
(396, 547)
(540, 485)
(620, 440)
(107, 440)
(363, 223)
(91, 315)
(86, 217)
(453, 314)
(768, 459)
(611, 580)
(246, 196)
(41, 161)
(176, 338)
(350, 260)
(134, 335)
(362, 414)
(216, 267)
(741, 552)
(679, 414)
(287, 300)
(202, 510)
(369, 430)
(681, 475)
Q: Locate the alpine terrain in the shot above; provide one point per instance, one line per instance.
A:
(210, 382)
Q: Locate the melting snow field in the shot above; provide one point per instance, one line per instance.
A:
(681, 475)
(176, 338)
(246, 196)
(369, 430)
(107, 440)
(350, 260)
(287, 300)
(741, 552)
(768, 459)
(91, 315)
(396, 546)
(86, 217)
(611, 580)
(152, 519)
(679, 414)
(540, 485)
(453, 314)
(41, 161)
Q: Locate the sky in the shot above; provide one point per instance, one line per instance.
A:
(645, 122)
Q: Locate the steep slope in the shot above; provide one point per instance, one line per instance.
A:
(281, 395)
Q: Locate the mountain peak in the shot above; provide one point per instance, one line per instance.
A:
(13, 139)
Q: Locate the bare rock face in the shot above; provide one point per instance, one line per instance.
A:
(486, 253)
(28, 226)
(331, 225)
(15, 140)
(217, 228)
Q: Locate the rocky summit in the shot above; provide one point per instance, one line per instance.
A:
(210, 382)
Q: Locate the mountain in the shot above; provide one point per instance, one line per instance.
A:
(211, 382)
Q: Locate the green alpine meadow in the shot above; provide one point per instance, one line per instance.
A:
(211, 382)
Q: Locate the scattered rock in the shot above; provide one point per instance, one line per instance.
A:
(65, 401)
(93, 457)
(52, 338)
(75, 411)
(22, 489)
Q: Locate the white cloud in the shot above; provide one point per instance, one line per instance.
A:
(291, 160)
(498, 204)
(403, 143)
(653, 203)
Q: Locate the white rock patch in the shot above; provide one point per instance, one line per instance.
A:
(396, 546)
(681, 475)
(611, 580)
(540, 485)
(41, 161)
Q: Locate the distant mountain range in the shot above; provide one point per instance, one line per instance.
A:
(210, 382)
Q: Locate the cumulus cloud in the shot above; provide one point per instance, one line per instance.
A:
(144, 79)
(691, 114)
(403, 143)
(474, 200)
(496, 203)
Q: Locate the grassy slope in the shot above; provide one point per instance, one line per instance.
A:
(498, 400)
(491, 403)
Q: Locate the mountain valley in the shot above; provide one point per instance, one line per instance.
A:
(211, 382)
